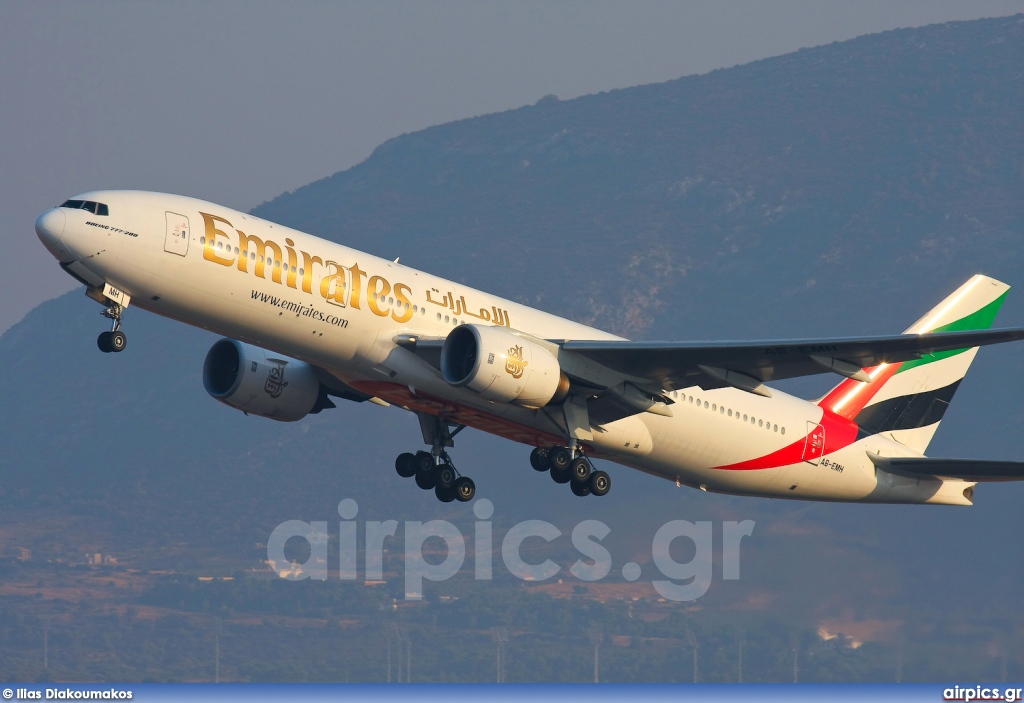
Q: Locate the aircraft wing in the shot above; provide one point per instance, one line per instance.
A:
(747, 365)
(966, 469)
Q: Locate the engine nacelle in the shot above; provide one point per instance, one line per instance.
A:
(502, 367)
(261, 382)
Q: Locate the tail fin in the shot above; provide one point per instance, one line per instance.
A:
(907, 400)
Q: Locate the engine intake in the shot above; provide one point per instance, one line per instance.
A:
(502, 367)
(260, 382)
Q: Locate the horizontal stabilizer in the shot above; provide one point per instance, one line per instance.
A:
(965, 469)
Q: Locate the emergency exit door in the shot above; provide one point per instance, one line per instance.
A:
(176, 239)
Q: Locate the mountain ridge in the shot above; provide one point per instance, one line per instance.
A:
(683, 194)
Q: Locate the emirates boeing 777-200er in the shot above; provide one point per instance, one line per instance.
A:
(306, 320)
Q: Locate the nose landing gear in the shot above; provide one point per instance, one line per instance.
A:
(115, 302)
(115, 340)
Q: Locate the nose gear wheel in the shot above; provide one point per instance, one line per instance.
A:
(115, 340)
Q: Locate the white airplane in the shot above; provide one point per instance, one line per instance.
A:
(307, 320)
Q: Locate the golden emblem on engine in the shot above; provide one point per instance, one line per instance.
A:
(275, 384)
(514, 364)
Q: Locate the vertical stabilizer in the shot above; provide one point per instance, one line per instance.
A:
(907, 400)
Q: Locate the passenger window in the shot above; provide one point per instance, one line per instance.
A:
(705, 405)
(760, 423)
(783, 430)
(714, 407)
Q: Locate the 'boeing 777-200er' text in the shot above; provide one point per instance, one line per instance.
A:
(307, 320)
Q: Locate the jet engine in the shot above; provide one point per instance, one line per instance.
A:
(261, 382)
(502, 367)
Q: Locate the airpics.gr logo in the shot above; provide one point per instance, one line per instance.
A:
(679, 580)
(515, 364)
(275, 384)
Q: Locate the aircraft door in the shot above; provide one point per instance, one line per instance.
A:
(176, 239)
(814, 446)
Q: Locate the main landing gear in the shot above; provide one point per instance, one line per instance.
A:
(115, 340)
(439, 475)
(568, 465)
(434, 470)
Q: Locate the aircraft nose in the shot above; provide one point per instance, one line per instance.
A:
(50, 229)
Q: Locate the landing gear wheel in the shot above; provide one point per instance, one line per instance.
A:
(600, 483)
(559, 459)
(118, 341)
(444, 475)
(465, 489)
(445, 494)
(539, 459)
(580, 470)
(560, 475)
(580, 489)
(423, 462)
(103, 342)
(405, 465)
(425, 480)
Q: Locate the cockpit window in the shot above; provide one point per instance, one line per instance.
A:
(93, 207)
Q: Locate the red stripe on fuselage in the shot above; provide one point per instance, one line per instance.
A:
(839, 434)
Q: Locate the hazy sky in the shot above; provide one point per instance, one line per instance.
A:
(238, 102)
